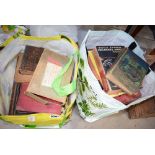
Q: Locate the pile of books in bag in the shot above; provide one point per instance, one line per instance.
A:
(119, 71)
(32, 91)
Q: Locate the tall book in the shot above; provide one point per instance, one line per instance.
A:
(30, 59)
(128, 72)
(49, 66)
(105, 57)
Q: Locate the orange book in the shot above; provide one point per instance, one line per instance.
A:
(126, 98)
(93, 66)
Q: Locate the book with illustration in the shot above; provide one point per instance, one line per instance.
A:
(128, 72)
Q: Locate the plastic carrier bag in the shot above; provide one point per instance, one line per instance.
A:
(58, 43)
(93, 103)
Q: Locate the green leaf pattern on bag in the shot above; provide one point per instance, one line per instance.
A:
(83, 88)
(85, 108)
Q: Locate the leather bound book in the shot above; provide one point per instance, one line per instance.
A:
(18, 76)
(30, 59)
(143, 110)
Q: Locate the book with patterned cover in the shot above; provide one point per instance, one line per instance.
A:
(128, 72)
(30, 59)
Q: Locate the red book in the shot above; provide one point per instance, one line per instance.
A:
(26, 103)
(126, 98)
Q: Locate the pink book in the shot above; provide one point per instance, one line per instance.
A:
(26, 103)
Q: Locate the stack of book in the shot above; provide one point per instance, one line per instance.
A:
(119, 71)
(35, 71)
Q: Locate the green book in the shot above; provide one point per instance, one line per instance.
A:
(128, 72)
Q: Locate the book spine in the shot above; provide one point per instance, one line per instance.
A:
(93, 66)
(101, 70)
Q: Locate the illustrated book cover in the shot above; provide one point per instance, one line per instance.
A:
(128, 72)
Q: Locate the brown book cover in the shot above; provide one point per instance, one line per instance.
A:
(45, 73)
(30, 59)
(142, 110)
(128, 72)
(18, 76)
(14, 97)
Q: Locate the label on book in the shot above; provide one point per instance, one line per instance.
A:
(51, 72)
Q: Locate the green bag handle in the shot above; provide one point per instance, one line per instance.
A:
(69, 88)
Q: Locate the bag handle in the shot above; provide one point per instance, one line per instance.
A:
(69, 88)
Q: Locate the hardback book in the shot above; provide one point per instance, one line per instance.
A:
(29, 105)
(49, 66)
(143, 110)
(126, 98)
(105, 57)
(93, 66)
(14, 98)
(20, 78)
(128, 72)
(30, 59)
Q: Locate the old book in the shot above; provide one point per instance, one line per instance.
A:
(50, 64)
(14, 97)
(143, 110)
(18, 76)
(105, 57)
(30, 59)
(128, 72)
(93, 66)
(27, 104)
(126, 98)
